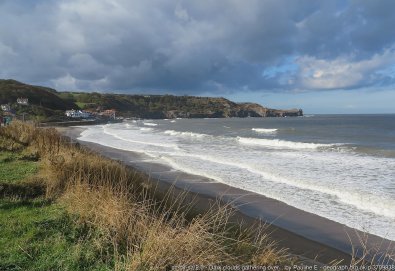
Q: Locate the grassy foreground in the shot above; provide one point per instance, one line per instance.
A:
(65, 208)
(37, 233)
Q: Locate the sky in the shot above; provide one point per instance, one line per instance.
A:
(332, 56)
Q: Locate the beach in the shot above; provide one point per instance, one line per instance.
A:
(303, 233)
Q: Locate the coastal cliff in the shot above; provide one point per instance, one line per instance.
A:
(49, 104)
(223, 108)
(170, 106)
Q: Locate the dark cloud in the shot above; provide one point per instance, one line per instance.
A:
(196, 46)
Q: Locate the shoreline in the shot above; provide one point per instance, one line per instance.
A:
(304, 234)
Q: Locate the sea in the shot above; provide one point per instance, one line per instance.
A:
(341, 167)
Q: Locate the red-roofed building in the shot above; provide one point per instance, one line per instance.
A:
(110, 113)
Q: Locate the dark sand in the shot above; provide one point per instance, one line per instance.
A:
(303, 233)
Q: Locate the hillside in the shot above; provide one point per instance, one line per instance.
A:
(48, 104)
(169, 106)
(44, 103)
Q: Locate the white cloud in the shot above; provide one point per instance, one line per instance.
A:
(341, 72)
(65, 83)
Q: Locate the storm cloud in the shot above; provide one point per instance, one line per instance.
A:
(192, 47)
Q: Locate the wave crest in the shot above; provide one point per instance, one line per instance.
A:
(277, 143)
(187, 134)
(150, 124)
(146, 129)
(264, 130)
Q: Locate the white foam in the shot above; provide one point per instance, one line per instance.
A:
(116, 134)
(276, 143)
(186, 134)
(189, 170)
(366, 202)
(370, 203)
(264, 130)
(150, 124)
(343, 186)
(172, 121)
(146, 129)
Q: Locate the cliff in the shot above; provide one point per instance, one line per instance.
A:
(170, 106)
(50, 104)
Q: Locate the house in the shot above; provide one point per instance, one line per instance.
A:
(92, 112)
(23, 101)
(78, 114)
(70, 113)
(6, 107)
(110, 113)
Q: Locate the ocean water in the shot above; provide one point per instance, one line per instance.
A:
(341, 167)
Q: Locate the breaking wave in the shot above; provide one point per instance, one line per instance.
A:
(276, 143)
(146, 129)
(187, 134)
(264, 130)
(150, 124)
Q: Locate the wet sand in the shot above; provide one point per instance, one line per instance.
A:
(303, 233)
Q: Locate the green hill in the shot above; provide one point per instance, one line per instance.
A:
(170, 106)
(44, 103)
(48, 104)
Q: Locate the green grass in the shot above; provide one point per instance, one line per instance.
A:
(38, 235)
(13, 169)
(80, 104)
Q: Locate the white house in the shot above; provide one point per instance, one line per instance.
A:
(5, 107)
(23, 101)
(78, 114)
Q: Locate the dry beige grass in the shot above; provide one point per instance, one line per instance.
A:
(147, 232)
(371, 254)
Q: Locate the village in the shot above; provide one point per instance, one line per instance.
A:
(91, 114)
